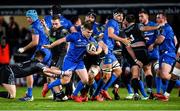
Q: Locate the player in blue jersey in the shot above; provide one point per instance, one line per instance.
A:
(56, 10)
(175, 74)
(110, 63)
(39, 39)
(91, 18)
(150, 37)
(166, 43)
(76, 21)
(73, 60)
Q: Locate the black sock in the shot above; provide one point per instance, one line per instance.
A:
(69, 89)
(4, 94)
(149, 80)
(171, 85)
(135, 85)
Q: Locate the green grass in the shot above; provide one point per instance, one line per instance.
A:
(41, 103)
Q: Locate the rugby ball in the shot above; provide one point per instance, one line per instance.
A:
(91, 47)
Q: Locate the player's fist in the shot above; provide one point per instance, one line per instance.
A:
(21, 50)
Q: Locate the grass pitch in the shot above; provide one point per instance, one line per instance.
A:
(41, 103)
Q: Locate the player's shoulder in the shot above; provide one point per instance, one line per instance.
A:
(167, 27)
(152, 23)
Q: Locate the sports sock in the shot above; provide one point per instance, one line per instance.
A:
(149, 80)
(110, 82)
(4, 94)
(29, 92)
(171, 85)
(79, 87)
(178, 83)
(57, 82)
(135, 85)
(142, 90)
(158, 84)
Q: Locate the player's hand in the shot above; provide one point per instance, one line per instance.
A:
(21, 50)
(151, 47)
(139, 63)
(93, 53)
(146, 38)
(126, 41)
(47, 46)
(43, 22)
(118, 43)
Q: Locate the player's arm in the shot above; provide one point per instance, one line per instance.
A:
(57, 42)
(33, 43)
(175, 40)
(117, 38)
(158, 41)
(103, 46)
(132, 54)
(149, 28)
(46, 28)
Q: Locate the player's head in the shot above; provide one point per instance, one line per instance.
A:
(31, 15)
(90, 17)
(130, 18)
(39, 55)
(76, 20)
(87, 29)
(55, 10)
(161, 18)
(118, 15)
(143, 16)
(56, 22)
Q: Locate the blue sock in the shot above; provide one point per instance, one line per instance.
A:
(29, 92)
(57, 82)
(129, 88)
(79, 87)
(178, 83)
(141, 84)
(110, 82)
(94, 85)
(158, 84)
(100, 85)
(164, 86)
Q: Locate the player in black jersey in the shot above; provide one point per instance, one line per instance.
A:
(9, 73)
(136, 52)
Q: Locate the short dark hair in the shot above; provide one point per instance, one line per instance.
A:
(74, 19)
(118, 11)
(162, 13)
(55, 17)
(143, 11)
(39, 53)
(130, 18)
(88, 25)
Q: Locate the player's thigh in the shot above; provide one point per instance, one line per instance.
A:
(83, 75)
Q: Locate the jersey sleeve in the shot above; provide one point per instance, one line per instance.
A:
(72, 37)
(112, 24)
(34, 30)
(40, 66)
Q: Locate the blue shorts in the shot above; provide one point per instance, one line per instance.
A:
(72, 66)
(109, 58)
(165, 58)
(154, 54)
(47, 58)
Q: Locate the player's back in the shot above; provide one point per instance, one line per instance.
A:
(168, 43)
(38, 29)
(107, 40)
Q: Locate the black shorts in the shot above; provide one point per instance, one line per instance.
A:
(91, 60)
(141, 54)
(6, 75)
